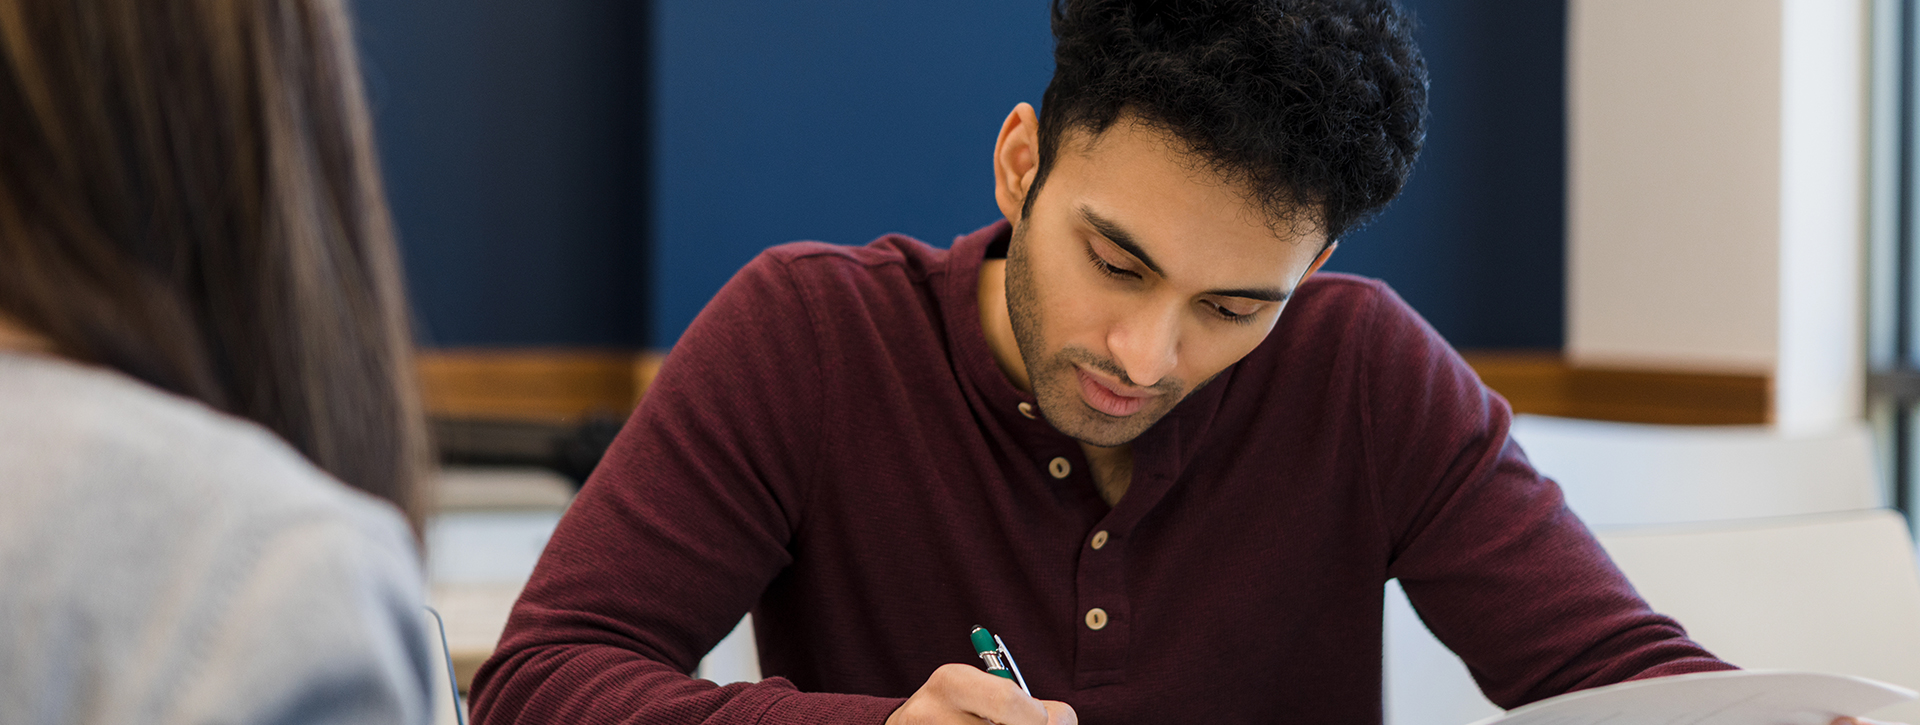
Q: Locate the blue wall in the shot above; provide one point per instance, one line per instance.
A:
(589, 172)
(513, 133)
(853, 118)
(1476, 243)
(838, 120)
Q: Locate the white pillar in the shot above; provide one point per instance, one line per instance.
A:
(1820, 378)
(1716, 193)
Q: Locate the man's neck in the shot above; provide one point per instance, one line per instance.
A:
(1112, 468)
(992, 300)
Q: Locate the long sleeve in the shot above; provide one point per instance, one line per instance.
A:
(1486, 549)
(678, 532)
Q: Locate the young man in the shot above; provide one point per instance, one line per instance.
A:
(1089, 428)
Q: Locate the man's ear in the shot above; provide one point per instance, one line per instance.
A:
(1325, 254)
(1016, 159)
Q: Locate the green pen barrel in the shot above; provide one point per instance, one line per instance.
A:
(983, 640)
(989, 651)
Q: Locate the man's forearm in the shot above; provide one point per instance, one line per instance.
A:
(579, 684)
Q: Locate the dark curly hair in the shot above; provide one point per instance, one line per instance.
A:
(1317, 108)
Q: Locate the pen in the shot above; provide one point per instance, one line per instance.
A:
(999, 660)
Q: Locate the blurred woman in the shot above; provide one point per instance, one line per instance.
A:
(202, 337)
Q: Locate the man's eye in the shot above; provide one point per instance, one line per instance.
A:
(1108, 269)
(1230, 315)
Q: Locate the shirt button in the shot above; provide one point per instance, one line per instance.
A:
(1059, 467)
(1099, 539)
(1096, 618)
(1026, 409)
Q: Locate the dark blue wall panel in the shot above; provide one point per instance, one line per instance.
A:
(847, 119)
(838, 120)
(513, 136)
(589, 172)
(1476, 243)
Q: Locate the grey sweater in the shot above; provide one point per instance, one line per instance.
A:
(164, 563)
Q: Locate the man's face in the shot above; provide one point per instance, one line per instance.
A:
(1136, 276)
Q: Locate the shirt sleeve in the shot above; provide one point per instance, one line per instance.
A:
(1485, 547)
(677, 533)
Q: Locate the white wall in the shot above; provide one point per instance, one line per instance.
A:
(1716, 193)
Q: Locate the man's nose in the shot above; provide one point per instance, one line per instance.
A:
(1147, 345)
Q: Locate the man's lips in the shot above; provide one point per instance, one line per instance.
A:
(1108, 400)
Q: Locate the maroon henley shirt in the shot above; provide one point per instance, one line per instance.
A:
(832, 446)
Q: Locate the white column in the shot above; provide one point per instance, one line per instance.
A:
(1716, 193)
(1821, 373)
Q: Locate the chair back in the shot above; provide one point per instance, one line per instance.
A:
(1617, 475)
(1824, 593)
(735, 659)
(448, 709)
(1630, 474)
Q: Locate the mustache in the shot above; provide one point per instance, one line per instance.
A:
(1073, 354)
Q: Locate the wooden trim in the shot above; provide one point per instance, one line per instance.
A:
(552, 386)
(567, 386)
(1543, 383)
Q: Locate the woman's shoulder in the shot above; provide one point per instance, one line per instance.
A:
(85, 432)
(136, 518)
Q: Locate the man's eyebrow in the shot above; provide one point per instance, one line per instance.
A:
(1125, 241)
(1264, 294)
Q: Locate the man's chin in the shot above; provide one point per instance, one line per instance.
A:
(1105, 431)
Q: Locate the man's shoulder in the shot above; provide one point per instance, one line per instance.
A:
(83, 435)
(886, 294)
(1336, 319)
(1338, 298)
(894, 281)
(893, 257)
(1336, 283)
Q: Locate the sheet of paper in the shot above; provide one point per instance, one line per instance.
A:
(1713, 698)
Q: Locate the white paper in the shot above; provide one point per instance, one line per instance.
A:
(1745, 697)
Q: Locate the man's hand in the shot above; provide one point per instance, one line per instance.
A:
(1862, 721)
(958, 694)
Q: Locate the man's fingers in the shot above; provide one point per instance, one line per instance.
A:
(1060, 713)
(958, 693)
(1862, 721)
(994, 698)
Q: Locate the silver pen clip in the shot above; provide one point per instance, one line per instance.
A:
(1011, 665)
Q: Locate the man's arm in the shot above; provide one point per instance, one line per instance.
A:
(676, 534)
(679, 531)
(1485, 547)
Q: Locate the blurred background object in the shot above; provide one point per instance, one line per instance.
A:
(491, 525)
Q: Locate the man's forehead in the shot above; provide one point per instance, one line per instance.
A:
(1130, 138)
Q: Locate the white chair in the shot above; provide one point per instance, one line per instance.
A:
(1424, 683)
(491, 525)
(1825, 593)
(735, 659)
(1625, 475)
(483, 540)
(1629, 474)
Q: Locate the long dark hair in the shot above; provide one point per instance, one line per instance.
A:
(189, 194)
